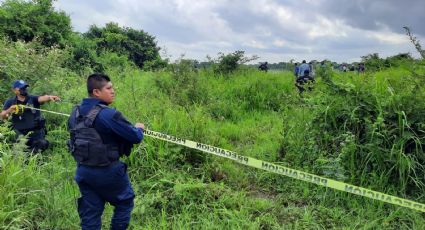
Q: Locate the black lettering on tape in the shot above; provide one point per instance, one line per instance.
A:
(381, 196)
(370, 194)
(223, 152)
(308, 177)
(234, 155)
(348, 188)
(241, 158)
(357, 191)
(198, 145)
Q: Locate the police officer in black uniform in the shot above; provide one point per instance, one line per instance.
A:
(26, 120)
(100, 135)
(264, 67)
(304, 82)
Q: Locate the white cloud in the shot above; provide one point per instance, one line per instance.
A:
(255, 44)
(388, 38)
(328, 28)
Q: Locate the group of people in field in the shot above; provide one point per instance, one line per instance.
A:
(359, 68)
(304, 73)
(99, 137)
(304, 76)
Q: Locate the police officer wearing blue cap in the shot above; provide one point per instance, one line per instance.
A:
(99, 136)
(27, 120)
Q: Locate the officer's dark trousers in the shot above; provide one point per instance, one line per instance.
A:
(104, 184)
(36, 140)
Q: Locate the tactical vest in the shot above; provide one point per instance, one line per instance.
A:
(28, 120)
(86, 145)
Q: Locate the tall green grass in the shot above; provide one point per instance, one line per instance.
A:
(362, 129)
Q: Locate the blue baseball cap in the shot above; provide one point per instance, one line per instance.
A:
(19, 84)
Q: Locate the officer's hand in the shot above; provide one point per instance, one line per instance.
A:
(54, 98)
(12, 109)
(140, 125)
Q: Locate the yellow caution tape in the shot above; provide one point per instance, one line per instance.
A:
(278, 169)
(19, 109)
(296, 174)
(47, 111)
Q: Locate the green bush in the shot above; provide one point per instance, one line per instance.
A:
(137, 45)
(35, 19)
(228, 63)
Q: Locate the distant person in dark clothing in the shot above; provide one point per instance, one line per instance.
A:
(263, 67)
(303, 67)
(310, 65)
(361, 68)
(296, 70)
(344, 68)
(304, 82)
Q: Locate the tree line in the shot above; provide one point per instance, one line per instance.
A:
(38, 20)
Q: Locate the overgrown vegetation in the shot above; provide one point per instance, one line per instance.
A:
(364, 129)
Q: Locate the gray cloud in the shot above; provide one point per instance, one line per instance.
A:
(376, 14)
(276, 30)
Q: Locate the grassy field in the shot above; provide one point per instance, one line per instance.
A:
(366, 130)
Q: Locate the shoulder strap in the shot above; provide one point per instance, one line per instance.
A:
(74, 116)
(76, 111)
(91, 116)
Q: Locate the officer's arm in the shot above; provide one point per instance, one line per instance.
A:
(4, 114)
(119, 125)
(46, 98)
(7, 110)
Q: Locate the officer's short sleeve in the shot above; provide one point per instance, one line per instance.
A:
(7, 104)
(35, 101)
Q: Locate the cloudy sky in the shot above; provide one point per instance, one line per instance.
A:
(275, 30)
